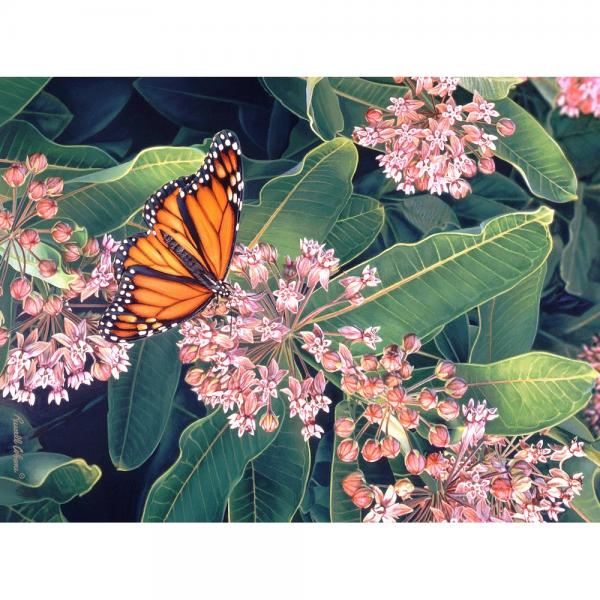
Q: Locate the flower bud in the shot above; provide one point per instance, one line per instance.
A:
(521, 467)
(269, 422)
(47, 267)
(448, 410)
(404, 488)
(411, 343)
(91, 247)
(78, 284)
(371, 450)
(101, 371)
(486, 165)
(373, 413)
(71, 252)
(33, 304)
(363, 497)
(392, 357)
(15, 175)
(396, 396)
(469, 167)
(29, 239)
(61, 232)
(373, 115)
(505, 127)
(501, 488)
(6, 220)
(439, 436)
(427, 399)
(4, 335)
(20, 288)
(390, 447)
(415, 462)
(406, 370)
(352, 482)
(36, 162)
(53, 305)
(350, 332)
(37, 190)
(268, 252)
(368, 362)
(54, 186)
(409, 418)
(347, 450)
(188, 354)
(460, 189)
(445, 369)
(344, 427)
(194, 377)
(46, 208)
(456, 387)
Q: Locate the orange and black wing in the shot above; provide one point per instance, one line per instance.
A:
(169, 274)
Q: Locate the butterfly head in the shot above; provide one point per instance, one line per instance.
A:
(223, 290)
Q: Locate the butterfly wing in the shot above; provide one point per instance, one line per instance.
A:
(200, 214)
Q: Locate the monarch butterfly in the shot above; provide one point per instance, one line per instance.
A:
(173, 271)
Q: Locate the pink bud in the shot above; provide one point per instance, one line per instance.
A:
(363, 497)
(61, 232)
(404, 488)
(269, 422)
(501, 488)
(415, 462)
(101, 371)
(331, 361)
(445, 369)
(405, 370)
(54, 185)
(91, 247)
(46, 208)
(408, 417)
(36, 162)
(439, 436)
(460, 189)
(29, 239)
(47, 267)
(371, 450)
(194, 377)
(53, 306)
(373, 115)
(268, 253)
(427, 399)
(411, 343)
(469, 168)
(486, 165)
(373, 413)
(448, 410)
(37, 190)
(390, 447)
(368, 362)
(456, 387)
(347, 450)
(15, 175)
(6, 220)
(33, 304)
(344, 427)
(396, 396)
(20, 288)
(71, 252)
(352, 482)
(505, 127)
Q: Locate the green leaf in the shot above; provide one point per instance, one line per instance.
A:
(429, 214)
(7, 315)
(323, 108)
(587, 504)
(139, 402)
(533, 152)
(16, 93)
(272, 486)
(508, 323)
(47, 114)
(491, 88)
(580, 251)
(453, 341)
(45, 511)
(356, 227)
(34, 476)
(428, 284)
(16, 256)
(105, 200)
(212, 459)
(19, 138)
(306, 203)
(532, 391)
(580, 139)
(547, 87)
(342, 508)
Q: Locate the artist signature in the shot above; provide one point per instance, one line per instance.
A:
(17, 455)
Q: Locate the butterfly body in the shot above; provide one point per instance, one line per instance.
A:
(170, 273)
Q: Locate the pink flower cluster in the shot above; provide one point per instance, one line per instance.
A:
(579, 95)
(591, 412)
(67, 360)
(248, 351)
(430, 142)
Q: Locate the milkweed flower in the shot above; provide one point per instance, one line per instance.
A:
(579, 95)
(430, 142)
